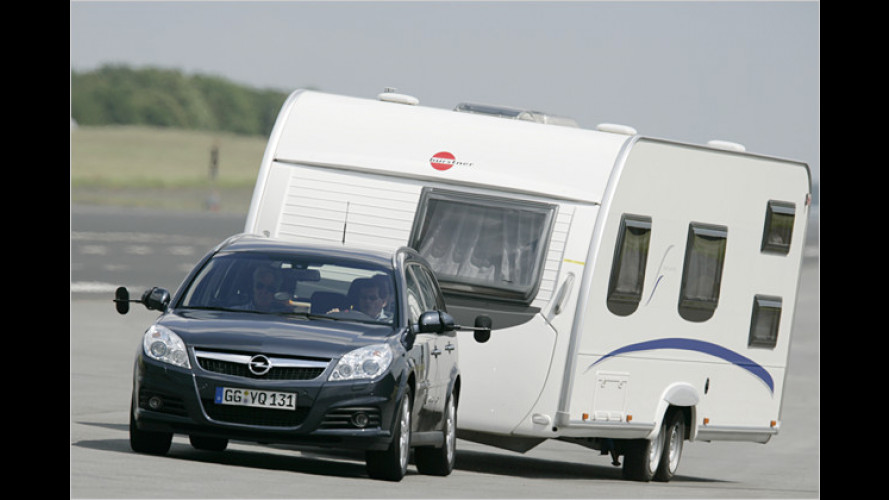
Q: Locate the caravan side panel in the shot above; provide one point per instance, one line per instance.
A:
(634, 361)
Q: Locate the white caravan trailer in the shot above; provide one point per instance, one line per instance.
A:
(641, 290)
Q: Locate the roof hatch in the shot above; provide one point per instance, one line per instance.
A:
(726, 145)
(515, 114)
(616, 128)
(390, 95)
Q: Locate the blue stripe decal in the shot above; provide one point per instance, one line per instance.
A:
(699, 346)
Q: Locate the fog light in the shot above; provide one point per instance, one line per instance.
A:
(155, 403)
(359, 420)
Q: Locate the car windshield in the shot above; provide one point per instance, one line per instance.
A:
(286, 284)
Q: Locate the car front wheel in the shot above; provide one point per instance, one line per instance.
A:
(391, 464)
(206, 443)
(152, 443)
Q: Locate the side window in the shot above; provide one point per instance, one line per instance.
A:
(426, 291)
(702, 271)
(764, 321)
(414, 296)
(483, 246)
(778, 227)
(430, 290)
(628, 266)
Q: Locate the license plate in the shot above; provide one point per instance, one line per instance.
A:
(256, 398)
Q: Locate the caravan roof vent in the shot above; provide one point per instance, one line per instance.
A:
(390, 95)
(515, 114)
(726, 145)
(616, 128)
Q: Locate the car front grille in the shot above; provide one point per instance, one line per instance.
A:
(282, 368)
(241, 370)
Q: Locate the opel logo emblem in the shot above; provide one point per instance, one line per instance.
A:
(259, 365)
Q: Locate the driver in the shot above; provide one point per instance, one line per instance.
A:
(373, 295)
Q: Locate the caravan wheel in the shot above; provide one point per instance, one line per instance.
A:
(642, 457)
(674, 435)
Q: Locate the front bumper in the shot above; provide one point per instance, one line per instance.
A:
(182, 401)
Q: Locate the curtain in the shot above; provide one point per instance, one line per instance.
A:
(482, 244)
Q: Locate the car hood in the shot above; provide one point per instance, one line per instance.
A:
(273, 334)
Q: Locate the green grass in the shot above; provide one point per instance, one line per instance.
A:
(163, 168)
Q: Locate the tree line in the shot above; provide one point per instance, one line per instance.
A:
(120, 95)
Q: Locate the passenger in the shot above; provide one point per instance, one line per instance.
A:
(265, 284)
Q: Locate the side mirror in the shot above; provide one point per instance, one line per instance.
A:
(122, 300)
(156, 298)
(441, 322)
(435, 322)
(153, 298)
(482, 329)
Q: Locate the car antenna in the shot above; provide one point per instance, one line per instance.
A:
(345, 222)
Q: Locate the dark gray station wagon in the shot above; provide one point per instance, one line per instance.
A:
(272, 342)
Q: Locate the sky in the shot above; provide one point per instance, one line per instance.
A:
(746, 71)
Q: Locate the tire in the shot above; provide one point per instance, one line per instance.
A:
(674, 436)
(440, 461)
(642, 457)
(391, 464)
(152, 443)
(207, 443)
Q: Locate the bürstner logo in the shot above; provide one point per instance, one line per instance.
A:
(444, 160)
(259, 365)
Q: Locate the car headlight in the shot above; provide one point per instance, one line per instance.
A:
(364, 363)
(163, 345)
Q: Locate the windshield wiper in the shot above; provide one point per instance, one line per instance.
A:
(341, 316)
(307, 315)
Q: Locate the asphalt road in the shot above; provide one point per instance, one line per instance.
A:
(144, 248)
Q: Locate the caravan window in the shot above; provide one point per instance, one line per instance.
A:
(481, 245)
(764, 321)
(702, 272)
(628, 267)
(778, 227)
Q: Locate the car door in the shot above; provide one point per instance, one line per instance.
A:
(424, 346)
(442, 346)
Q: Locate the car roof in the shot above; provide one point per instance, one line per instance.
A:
(255, 243)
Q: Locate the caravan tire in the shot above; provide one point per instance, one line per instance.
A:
(674, 435)
(642, 457)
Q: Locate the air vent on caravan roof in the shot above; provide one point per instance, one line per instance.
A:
(616, 128)
(729, 146)
(390, 95)
(515, 114)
